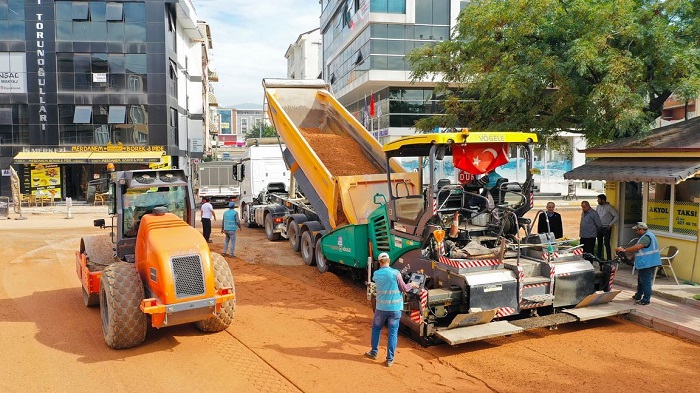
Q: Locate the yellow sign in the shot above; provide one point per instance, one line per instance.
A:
(685, 216)
(165, 163)
(46, 181)
(658, 213)
(119, 147)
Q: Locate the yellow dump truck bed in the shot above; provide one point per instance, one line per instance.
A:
(344, 164)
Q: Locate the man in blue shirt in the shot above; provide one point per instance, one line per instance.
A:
(229, 227)
(389, 306)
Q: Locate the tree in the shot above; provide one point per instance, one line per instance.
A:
(267, 131)
(603, 67)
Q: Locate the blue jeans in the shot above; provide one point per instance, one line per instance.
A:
(230, 236)
(644, 280)
(392, 319)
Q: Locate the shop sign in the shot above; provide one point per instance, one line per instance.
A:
(119, 147)
(658, 213)
(6, 172)
(685, 216)
(46, 180)
(99, 77)
(165, 163)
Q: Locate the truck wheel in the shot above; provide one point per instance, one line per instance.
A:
(224, 278)
(121, 292)
(270, 229)
(293, 234)
(321, 261)
(307, 248)
(245, 217)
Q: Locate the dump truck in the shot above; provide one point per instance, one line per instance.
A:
(481, 271)
(154, 267)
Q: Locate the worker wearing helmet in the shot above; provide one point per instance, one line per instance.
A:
(229, 227)
(389, 305)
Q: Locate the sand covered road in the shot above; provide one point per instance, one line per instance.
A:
(295, 330)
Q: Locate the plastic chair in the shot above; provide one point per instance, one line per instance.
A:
(667, 260)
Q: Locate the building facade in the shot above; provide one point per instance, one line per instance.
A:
(304, 56)
(236, 123)
(85, 83)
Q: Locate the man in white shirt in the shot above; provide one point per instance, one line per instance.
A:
(207, 214)
(608, 217)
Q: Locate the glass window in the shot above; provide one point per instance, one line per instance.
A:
(80, 10)
(66, 82)
(424, 11)
(135, 63)
(395, 63)
(379, 30)
(81, 31)
(117, 114)
(441, 12)
(115, 32)
(64, 10)
(395, 47)
(6, 116)
(379, 46)
(98, 11)
(64, 31)
(117, 82)
(98, 31)
(379, 62)
(135, 32)
(100, 114)
(15, 10)
(115, 12)
(136, 83)
(16, 30)
(116, 63)
(99, 63)
(396, 6)
(135, 12)
(395, 31)
(82, 115)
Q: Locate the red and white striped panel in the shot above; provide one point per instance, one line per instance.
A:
(532, 199)
(417, 315)
(612, 276)
(528, 305)
(504, 312)
(552, 270)
(539, 285)
(470, 262)
(434, 207)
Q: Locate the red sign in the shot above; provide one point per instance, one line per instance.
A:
(478, 159)
(465, 177)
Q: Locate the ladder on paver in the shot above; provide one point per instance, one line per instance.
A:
(571, 191)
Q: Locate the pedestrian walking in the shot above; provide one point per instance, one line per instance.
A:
(231, 224)
(207, 214)
(608, 217)
(647, 259)
(550, 221)
(389, 305)
(589, 227)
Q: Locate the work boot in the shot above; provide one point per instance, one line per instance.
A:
(389, 363)
(371, 355)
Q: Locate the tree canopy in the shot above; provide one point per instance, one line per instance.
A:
(261, 130)
(603, 67)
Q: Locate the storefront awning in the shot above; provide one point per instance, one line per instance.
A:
(656, 170)
(52, 158)
(141, 157)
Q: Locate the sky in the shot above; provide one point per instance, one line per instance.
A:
(250, 39)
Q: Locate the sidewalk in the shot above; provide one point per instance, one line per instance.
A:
(672, 310)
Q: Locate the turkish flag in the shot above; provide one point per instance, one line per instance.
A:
(479, 158)
(371, 105)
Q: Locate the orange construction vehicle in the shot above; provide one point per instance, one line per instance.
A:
(154, 266)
